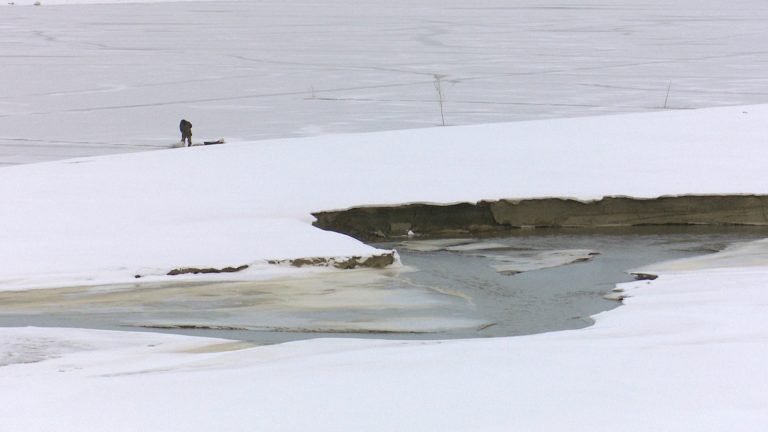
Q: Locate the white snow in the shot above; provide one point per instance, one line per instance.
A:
(83, 80)
(686, 352)
(98, 220)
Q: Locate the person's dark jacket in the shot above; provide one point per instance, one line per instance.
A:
(186, 128)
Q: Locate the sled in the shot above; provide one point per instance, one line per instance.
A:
(195, 144)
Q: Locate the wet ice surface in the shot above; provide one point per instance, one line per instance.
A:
(126, 74)
(509, 257)
(32, 350)
(448, 289)
(352, 302)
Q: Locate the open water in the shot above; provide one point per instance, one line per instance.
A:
(450, 288)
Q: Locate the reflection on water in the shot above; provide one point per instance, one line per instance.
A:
(531, 281)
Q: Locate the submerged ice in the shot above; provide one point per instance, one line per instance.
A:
(506, 257)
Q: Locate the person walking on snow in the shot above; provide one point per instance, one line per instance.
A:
(186, 132)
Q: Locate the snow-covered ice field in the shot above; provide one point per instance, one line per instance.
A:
(686, 352)
(93, 79)
(104, 220)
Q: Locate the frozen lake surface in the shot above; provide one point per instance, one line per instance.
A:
(449, 289)
(85, 80)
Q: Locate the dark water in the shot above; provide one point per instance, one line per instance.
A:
(439, 294)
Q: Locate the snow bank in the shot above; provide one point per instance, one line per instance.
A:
(107, 219)
(747, 255)
(685, 353)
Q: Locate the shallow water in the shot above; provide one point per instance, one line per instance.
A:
(447, 289)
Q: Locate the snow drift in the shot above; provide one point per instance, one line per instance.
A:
(108, 219)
